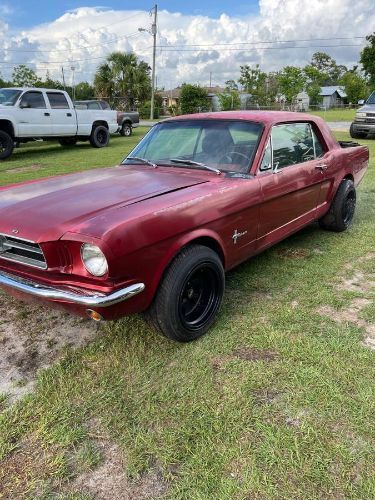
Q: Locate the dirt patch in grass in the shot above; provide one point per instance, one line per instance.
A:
(19, 170)
(293, 253)
(109, 479)
(254, 354)
(26, 464)
(32, 337)
(360, 283)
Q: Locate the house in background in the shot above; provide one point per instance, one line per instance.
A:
(333, 97)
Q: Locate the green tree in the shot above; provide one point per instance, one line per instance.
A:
(84, 90)
(330, 72)
(355, 86)
(193, 99)
(231, 85)
(367, 59)
(292, 80)
(23, 76)
(230, 99)
(253, 81)
(123, 76)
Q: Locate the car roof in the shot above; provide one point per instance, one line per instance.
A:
(269, 117)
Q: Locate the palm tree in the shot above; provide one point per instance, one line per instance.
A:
(123, 76)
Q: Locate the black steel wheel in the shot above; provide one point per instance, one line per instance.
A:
(341, 212)
(189, 297)
(6, 145)
(99, 137)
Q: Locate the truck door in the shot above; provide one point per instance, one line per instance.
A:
(33, 117)
(63, 117)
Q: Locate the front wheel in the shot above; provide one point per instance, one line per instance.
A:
(341, 213)
(356, 135)
(126, 130)
(190, 295)
(99, 137)
(6, 145)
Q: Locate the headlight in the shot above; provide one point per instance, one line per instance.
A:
(360, 114)
(94, 259)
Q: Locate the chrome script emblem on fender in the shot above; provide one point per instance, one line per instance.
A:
(237, 235)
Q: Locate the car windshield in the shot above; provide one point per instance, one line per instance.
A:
(227, 145)
(371, 99)
(8, 97)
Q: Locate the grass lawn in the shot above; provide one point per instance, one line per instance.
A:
(335, 115)
(277, 401)
(37, 159)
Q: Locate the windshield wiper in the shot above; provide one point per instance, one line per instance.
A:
(197, 163)
(142, 160)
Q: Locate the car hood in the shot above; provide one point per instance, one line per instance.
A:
(45, 210)
(367, 108)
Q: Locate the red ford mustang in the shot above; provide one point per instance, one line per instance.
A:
(198, 195)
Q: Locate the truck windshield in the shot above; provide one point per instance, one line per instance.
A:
(8, 97)
(225, 145)
(371, 99)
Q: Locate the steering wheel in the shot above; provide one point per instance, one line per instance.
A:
(228, 156)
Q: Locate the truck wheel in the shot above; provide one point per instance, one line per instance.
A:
(189, 296)
(356, 135)
(6, 145)
(68, 141)
(126, 130)
(99, 137)
(341, 213)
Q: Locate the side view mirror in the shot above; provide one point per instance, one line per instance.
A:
(24, 104)
(361, 102)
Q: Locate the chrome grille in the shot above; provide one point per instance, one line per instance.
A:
(22, 251)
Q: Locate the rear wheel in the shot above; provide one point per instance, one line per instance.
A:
(68, 141)
(99, 137)
(126, 130)
(356, 135)
(190, 295)
(6, 145)
(341, 213)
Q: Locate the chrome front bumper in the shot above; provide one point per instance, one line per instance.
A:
(84, 299)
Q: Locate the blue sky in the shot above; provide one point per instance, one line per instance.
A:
(27, 13)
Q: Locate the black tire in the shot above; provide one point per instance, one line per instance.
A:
(126, 130)
(341, 213)
(189, 296)
(6, 145)
(68, 141)
(356, 135)
(99, 137)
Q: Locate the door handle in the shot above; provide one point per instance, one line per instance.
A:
(68, 114)
(322, 167)
(46, 114)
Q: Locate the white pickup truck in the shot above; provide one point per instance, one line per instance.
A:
(34, 113)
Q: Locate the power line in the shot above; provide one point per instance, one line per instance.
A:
(262, 48)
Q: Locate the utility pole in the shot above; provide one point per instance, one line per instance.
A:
(153, 32)
(210, 79)
(73, 83)
(63, 77)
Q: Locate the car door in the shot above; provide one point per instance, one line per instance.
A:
(33, 117)
(63, 118)
(291, 175)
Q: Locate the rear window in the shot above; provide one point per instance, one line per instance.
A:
(57, 100)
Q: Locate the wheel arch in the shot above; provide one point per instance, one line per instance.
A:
(200, 237)
(7, 126)
(100, 122)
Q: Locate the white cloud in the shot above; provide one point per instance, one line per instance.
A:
(87, 34)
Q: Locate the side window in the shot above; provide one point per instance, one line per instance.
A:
(318, 147)
(266, 163)
(93, 105)
(292, 143)
(105, 105)
(57, 100)
(33, 100)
